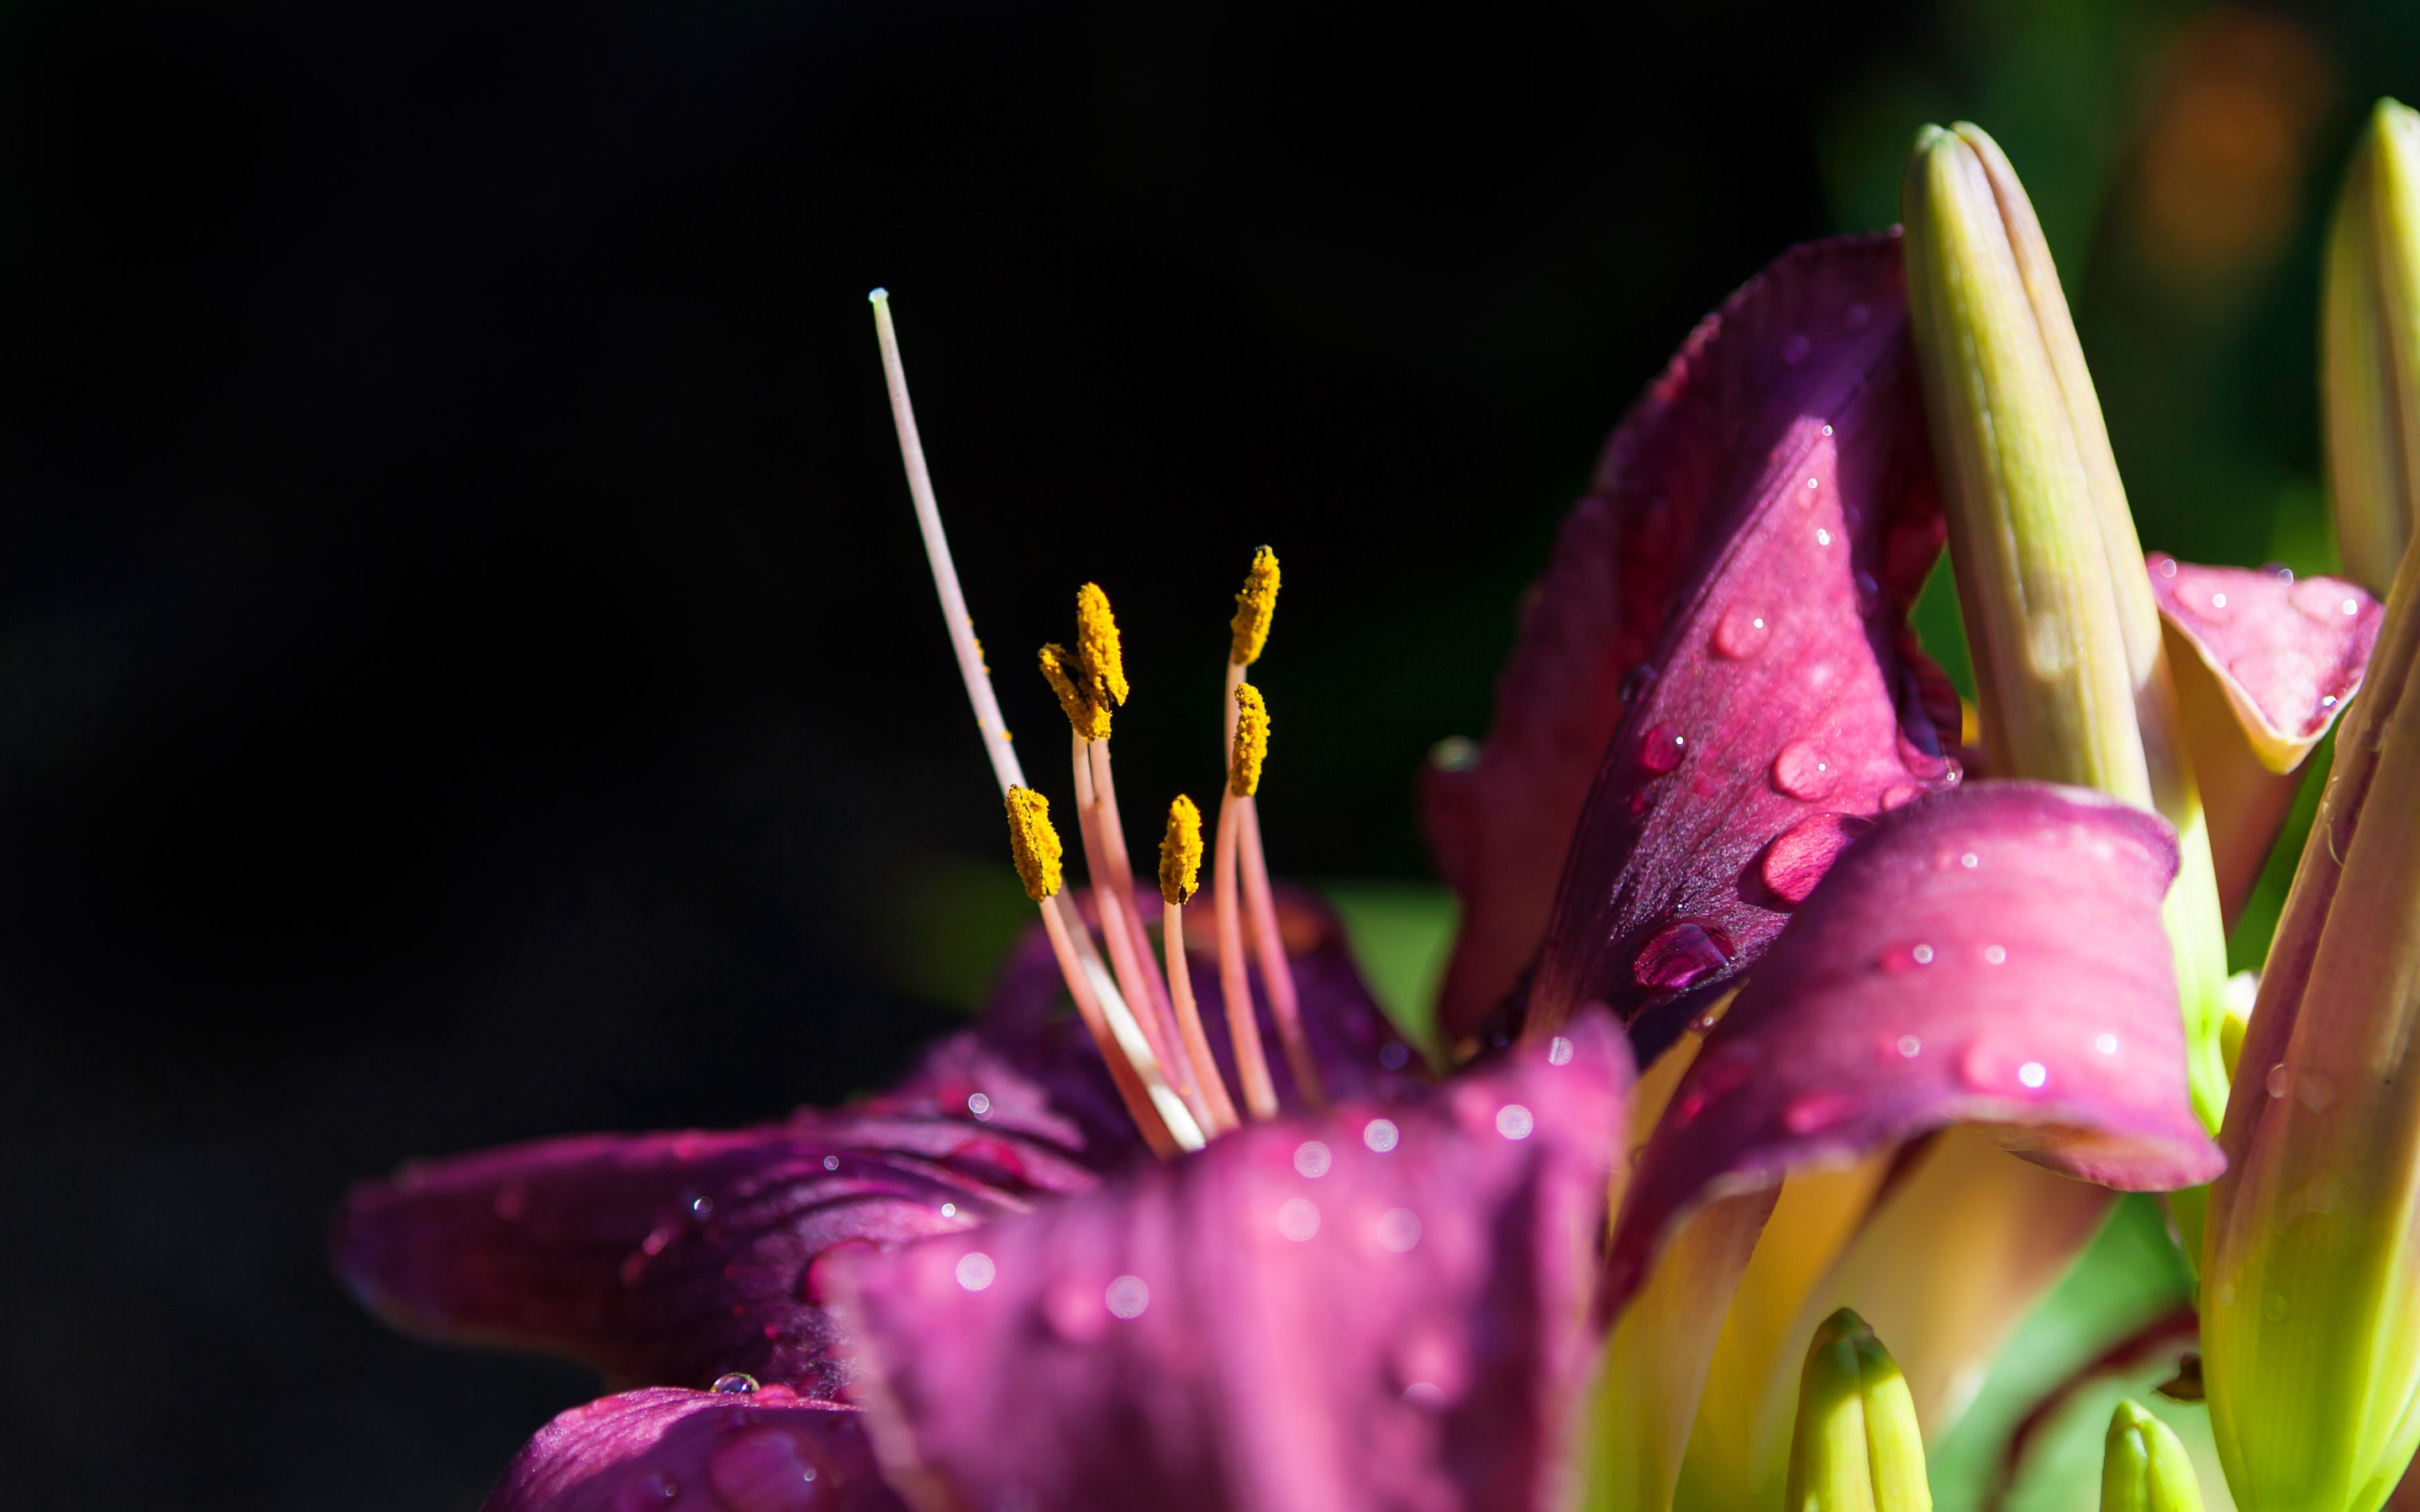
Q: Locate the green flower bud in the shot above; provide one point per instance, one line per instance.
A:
(2068, 662)
(1855, 1447)
(2145, 1467)
(2310, 1289)
(2369, 347)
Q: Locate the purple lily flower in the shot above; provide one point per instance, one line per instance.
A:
(1722, 807)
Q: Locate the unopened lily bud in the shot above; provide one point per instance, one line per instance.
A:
(2310, 1285)
(2068, 663)
(2144, 1467)
(2369, 347)
(1855, 1447)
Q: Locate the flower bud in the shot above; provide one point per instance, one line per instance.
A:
(2369, 347)
(2310, 1289)
(2144, 1467)
(2073, 675)
(1857, 1447)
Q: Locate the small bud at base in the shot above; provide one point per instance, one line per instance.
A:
(2144, 1466)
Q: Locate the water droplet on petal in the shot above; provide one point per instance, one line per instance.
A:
(1312, 1159)
(1424, 1393)
(1827, 430)
(1128, 1296)
(1742, 632)
(2278, 1080)
(2033, 1074)
(2325, 599)
(2279, 571)
(1817, 1110)
(766, 1470)
(2106, 1042)
(1995, 955)
(832, 1163)
(1907, 957)
(2162, 563)
(1822, 537)
(978, 1104)
(1662, 748)
(1635, 684)
(2206, 603)
(1794, 352)
(2273, 1308)
(735, 1384)
(1398, 1229)
(1299, 1219)
(1802, 770)
(1558, 1050)
(701, 1207)
(1970, 860)
(1380, 1136)
(645, 1492)
(976, 1270)
(1679, 954)
(1800, 856)
(1909, 1046)
(1513, 1121)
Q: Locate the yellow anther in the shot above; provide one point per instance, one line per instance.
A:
(1033, 842)
(1096, 647)
(1180, 851)
(1254, 607)
(1251, 742)
(1069, 680)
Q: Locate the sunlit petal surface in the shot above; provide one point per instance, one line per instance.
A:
(1389, 1322)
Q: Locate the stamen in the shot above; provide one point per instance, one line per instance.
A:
(1069, 680)
(1096, 644)
(1243, 1029)
(1252, 746)
(1180, 871)
(936, 550)
(1136, 985)
(1255, 604)
(1035, 846)
(1269, 948)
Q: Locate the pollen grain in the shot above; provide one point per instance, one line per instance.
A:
(1065, 672)
(1096, 647)
(1032, 843)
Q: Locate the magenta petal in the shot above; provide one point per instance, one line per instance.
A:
(674, 1257)
(1332, 1315)
(671, 1449)
(1992, 956)
(2290, 654)
(1771, 502)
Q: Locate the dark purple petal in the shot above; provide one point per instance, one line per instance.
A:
(1990, 956)
(1716, 656)
(2263, 664)
(674, 1257)
(693, 1451)
(1359, 1051)
(1330, 1315)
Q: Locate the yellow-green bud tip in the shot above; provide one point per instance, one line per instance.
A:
(1256, 604)
(1251, 742)
(1032, 843)
(1855, 1445)
(2144, 1467)
(1068, 678)
(1096, 646)
(1180, 852)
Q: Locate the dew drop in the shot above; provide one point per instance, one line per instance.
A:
(2279, 571)
(1399, 1230)
(1970, 860)
(1907, 957)
(1827, 430)
(1311, 1160)
(2033, 1074)
(1128, 1296)
(1822, 537)
(2208, 604)
(645, 1491)
(734, 1383)
(1299, 1219)
(1800, 856)
(978, 1104)
(832, 1163)
(2106, 1042)
(701, 1207)
(1679, 954)
(1558, 1050)
(1380, 1136)
(949, 1209)
(765, 1470)
(1910, 1046)
(1803, 771)
(2162, 563)
(2326, 600)
(2277, 1080)
(1634, 682)
(1513, 1121)
(1741, 633)
(1995, 955)
(2273, 1308)
(1662, 749)
(1794, 352)
(1817, 1110)
(976, 1270)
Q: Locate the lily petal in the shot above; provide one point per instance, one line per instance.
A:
(1990, 956)
(1352, 1312)
(665, 1447)
(2263, 665)
(675, 1258)
(1760, 523)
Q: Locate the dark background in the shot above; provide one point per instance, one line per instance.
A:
(466, 667)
